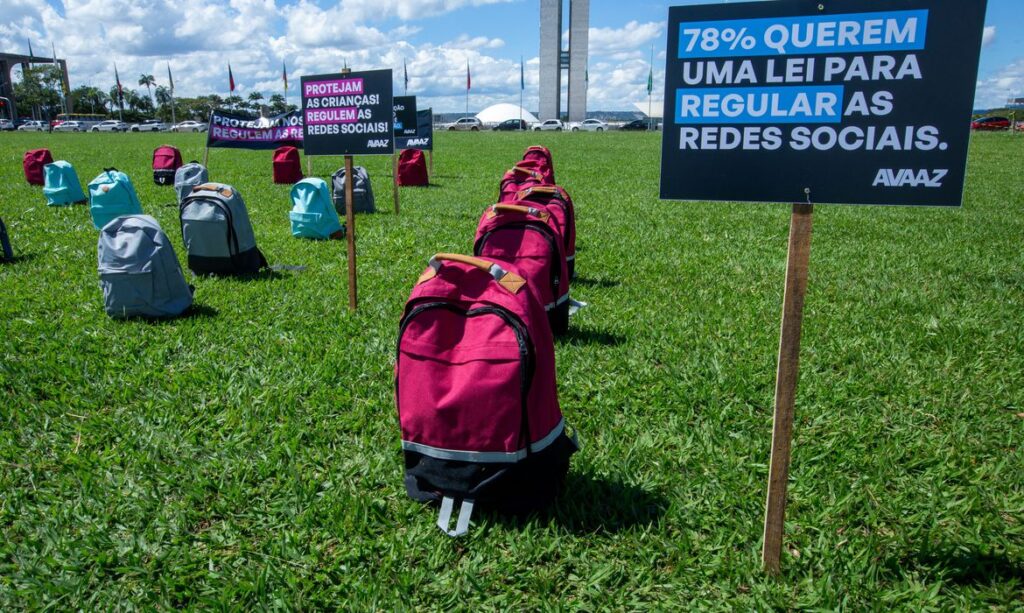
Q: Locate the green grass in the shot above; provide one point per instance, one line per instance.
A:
(248, 456)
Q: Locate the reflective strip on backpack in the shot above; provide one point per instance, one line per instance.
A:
(486, 457)
(444, 517)
(556, 304)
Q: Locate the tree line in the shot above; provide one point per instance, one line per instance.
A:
(39, 95)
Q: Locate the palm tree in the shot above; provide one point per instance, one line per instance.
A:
(254, 100)
(148, 81)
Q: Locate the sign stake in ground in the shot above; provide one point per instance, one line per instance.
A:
(348, 113)
(394, 180)
(785, 382)
(855, 101)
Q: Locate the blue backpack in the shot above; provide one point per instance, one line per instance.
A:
(111, 195)
(61, 185)
(313, 214)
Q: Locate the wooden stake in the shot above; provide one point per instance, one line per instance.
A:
(350, 232)
(309, 166)
(206, 158)
(430, 156)
(785, 383)
(394, 180)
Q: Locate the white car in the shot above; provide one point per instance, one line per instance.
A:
(550, 124)
(590, 125)
(69, 126)
(32, 126)
(189, 126)
(150, 125)
(471, 124)
(110, 125)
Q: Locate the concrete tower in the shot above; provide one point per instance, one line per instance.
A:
(553, 59)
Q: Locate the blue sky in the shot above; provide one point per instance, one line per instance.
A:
(434, 37)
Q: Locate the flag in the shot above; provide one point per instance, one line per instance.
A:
(231, 79)
(60, 72)
(30, 54)
(284, 75)
(170, 79)
(405, 70)
(469, 82)
(650, 81)
(120, 90)
(522, 74)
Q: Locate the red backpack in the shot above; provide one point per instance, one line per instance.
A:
(476, 393)
(287, 167)
(166, 161)
(541, 156)
(519, 177)
(527, 238)
(33, 163)
(412, 168)
(556, 201)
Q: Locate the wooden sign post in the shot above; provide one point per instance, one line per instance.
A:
(350, 232)
(394, 180)
(785, 382)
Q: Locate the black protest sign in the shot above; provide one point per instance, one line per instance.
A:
(842, 101)
(405, 116)
(424, 138)
(239, 131)
(348, 114)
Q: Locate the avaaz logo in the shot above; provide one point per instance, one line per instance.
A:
(909, 177)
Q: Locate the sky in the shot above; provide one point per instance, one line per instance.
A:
(434, 38)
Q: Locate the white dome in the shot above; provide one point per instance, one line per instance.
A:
(498, 113)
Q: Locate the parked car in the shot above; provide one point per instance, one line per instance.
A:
(550, 124)
(110, 125)
(32, 126)
(6, 124)
(589, 125)
(512, 124)
(69, 126)
(990, 123)
(637, 124)
(465, 124)
(189, 126)
(150, 125)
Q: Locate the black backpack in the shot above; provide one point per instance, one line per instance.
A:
(362, 191)
(7, 253)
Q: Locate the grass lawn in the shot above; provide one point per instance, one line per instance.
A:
(248, 455)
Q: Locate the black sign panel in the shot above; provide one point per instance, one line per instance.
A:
(405, 116)
(834, 101)
(239, 131)
(424, 138)
(348, 114)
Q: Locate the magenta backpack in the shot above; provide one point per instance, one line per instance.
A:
(166, 161)
(527, 238)
(476, 394)
(557, 202)
(542, 157)
(519, 177)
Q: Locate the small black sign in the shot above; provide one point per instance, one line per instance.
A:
(424, 138)
(841, 101)
(405, 116)
(348, 114)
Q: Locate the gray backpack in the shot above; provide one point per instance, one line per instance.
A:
(139, 271)
(6, 253)
(217, 233)
(189, 176)
(362, 191)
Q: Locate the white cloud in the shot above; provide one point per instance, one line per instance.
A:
(1008, 83)
(988, 36)
(605, 41)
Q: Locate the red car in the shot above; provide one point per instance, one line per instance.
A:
(991, 123)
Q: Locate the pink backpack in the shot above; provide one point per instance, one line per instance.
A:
(519, 177)
(476, 393)
(557, 202)
(527, 238)
(542, 157)
(33, 164)
(412, 168)
(166, 161)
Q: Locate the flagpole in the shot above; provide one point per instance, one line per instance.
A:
(522, 84)
(650, 90)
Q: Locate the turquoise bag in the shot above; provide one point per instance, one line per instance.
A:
(111, 195)
(61, 185)
(313, 214)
